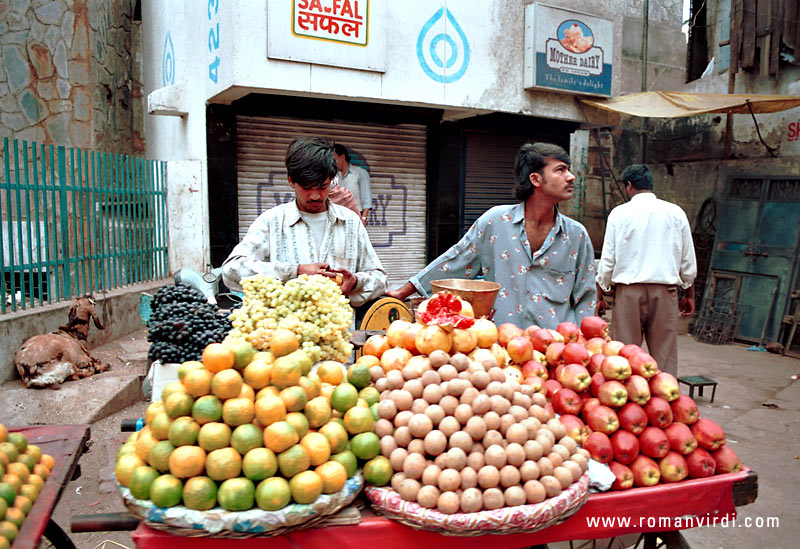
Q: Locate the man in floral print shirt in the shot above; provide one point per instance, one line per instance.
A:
(543, 259)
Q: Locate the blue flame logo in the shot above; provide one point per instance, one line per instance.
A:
(442, 57)
(168, 62)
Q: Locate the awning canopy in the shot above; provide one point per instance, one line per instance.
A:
(660, 104)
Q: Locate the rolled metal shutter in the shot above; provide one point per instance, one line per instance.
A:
(489, 172)
(396, 159)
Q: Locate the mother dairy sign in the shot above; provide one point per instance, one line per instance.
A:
(567, 50)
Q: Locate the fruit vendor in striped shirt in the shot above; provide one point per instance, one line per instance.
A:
(543, 259)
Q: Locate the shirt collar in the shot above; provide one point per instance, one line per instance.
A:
(518, 216)
(644, 196)
(293, 212)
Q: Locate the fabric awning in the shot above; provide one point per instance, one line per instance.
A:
(661, 104)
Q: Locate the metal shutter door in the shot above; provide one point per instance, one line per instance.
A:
(395, 155)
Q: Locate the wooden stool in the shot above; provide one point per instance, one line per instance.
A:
(700, 382)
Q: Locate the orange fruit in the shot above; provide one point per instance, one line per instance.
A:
(247, 392)
(227, 384)
(37, 481)
(184, 368)
(15, 516)
(344, 397)
(365, 445)
(158, 458)
(141, 481)
(348, 460)
(259, 463)
(35, 452)
(41, 470)
(358, 420)
(330, 371)
(299, 422)
(18, 440)
(4, 459)
(236, 494)
(14, 481)
(207, 409)
(9, 450)
(217, 357)
(184, 432)
(19, 470)
(166, 491)
(200, 493)
(160, 425)
(23, 503)
(311, 387)
(318, 412)
(27, 460)
(269, 390)
(3, 433)
(246, 437)
(170, 389)
(358, 375)
(285, 372)
(257, 374)
(294, 397)
(269, 409)
(198, 382)
(223, 464)
(306, 487)
(317, 447)
(179, 404)
(144, 442)
(125, 466)
(369, 361)
(7, 494)
(8, 531)
(48, 461)
(273, 494)
(378, 471)
(283, 342)
(279, 436)
(326, 390)
(243, 352)
(238, 411)
(154, 409)
(336, 435)
(294, 460)
(213, 436)
(370, 395)
(333, 476)
(30, 491)
(187, 461)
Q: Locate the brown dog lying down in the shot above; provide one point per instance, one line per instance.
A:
(50, 359)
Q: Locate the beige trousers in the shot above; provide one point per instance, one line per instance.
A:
(649, 310)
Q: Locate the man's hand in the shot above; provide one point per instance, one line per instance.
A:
(402, 292)
(349, 280)
(315, 269)
(686, 306)
(601, 307)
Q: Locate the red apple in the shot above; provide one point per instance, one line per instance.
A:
(520, 349)
(726, 459)
(632, 418)
(680, 438)
(575, 353)
(541, 338)
(595, 345)
(590, 404)
(596, 363)
(642, 364)
(556, 335)
(645, 471)
(653, 442)
(684, 410)
(659, 414)
(551, 414)
(700, 464)
(612, 393)
(627, 351)
(638, 389)
(567, 401)
(709, 435)
(534, 368)
(530, 329)
(553, 353)
(611, 348)
(603, 419)
(599, 447)
(673, 467)
(597, 381)
(574, 426)
(616, 367)
(569, 330)
(665, 386)
(552, 387)
(556, 372)
(626, 446)
(535, 382)
(594, 326)
(623, 476)
(575, 377)
(506, 331)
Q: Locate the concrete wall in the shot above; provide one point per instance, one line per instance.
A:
(118, 311)
(67, 74)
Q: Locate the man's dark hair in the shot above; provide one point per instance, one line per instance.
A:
(342, 150)
(309, 161)
(638, 175)
(531, 159)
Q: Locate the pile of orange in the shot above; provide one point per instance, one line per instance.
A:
(243, 429)
(23, 471)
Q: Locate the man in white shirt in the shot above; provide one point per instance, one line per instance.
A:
(648, 254)
(353, 178)
(309, 235)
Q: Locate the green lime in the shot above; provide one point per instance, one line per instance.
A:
(344, 397)
(365, 445)
(378, 471)
(349, 460)
(358, 375)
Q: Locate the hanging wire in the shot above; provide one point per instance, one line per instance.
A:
(772, 150)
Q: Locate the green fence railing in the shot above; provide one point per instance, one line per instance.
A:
(74, 222)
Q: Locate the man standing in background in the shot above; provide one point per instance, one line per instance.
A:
(648, 254)
(353, 178)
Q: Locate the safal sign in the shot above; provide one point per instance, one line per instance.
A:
(568, 51)
(339, 21)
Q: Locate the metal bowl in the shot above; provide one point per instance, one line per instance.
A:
(479, 293)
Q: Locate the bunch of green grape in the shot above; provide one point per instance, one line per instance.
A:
(313, 307)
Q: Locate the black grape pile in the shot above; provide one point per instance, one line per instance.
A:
(182, 323)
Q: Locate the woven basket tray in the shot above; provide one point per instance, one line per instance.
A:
(218, 522)
(508, 520)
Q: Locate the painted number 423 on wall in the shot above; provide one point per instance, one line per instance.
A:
(213, 40)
